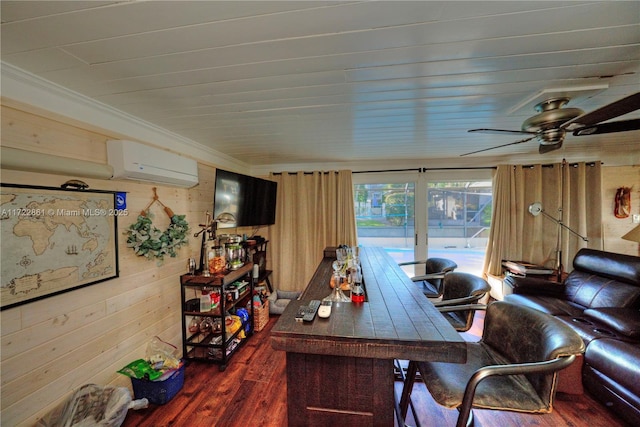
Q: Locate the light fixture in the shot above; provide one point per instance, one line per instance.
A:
(633, 235)
(535, 209)
(209, 227)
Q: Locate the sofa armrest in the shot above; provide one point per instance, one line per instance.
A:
(624, 321)
(535, 286)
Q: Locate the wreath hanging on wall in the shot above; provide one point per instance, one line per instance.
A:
(149, 241)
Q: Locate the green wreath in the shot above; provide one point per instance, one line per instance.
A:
(150, 242)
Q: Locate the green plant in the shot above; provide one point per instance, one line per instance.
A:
(400, 207)
(152, 243)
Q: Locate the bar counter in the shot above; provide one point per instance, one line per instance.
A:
(340, 369)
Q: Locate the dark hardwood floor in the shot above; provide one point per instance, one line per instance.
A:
(252, 391)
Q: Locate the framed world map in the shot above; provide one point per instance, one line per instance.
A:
(55, 240)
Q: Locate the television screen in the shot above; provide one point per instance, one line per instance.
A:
(251, 200)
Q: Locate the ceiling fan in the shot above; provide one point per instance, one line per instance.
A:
(553, 121)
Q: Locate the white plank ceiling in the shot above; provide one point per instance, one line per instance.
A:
(297, 82)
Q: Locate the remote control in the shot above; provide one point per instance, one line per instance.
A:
(302, 310)
(312, 309)
(325, 309)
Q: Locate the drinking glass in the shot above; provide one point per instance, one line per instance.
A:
(337, 295)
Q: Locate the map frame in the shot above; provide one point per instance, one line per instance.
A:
(106, 210)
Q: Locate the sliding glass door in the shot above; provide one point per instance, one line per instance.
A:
(459, 217)
(385, 206)
(415, 215)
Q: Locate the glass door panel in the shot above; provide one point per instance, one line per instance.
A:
(385, 217)
(459, 217)
(415, 215)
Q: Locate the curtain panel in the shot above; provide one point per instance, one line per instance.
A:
(314, 210)
(570, 193)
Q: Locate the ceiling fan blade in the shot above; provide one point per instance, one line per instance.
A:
(610, 127)
(609, 111)
(492, 131)
(546, 148)
(498, 146)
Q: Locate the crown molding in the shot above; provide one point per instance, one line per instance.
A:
(27, 88)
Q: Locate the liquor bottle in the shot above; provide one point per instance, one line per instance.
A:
(357, 290)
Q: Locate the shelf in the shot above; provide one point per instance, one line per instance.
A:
(216, 311)
(211, 346)
(229, 277)
(211, 339)
(214, 353)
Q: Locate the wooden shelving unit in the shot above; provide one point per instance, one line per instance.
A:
(218, 344)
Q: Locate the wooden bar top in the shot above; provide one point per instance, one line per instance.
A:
(396, 322)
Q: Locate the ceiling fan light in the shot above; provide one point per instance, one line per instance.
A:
(550, 119)
(551, 136)
(552, 122)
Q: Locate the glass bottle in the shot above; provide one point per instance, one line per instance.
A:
(357, 290)
(217, 260)
(337, 295)
(206, 325)
(194, 325)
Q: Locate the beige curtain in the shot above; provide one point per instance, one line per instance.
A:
(314, 210)
(568, 192)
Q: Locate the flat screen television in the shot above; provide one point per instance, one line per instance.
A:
(251, 200)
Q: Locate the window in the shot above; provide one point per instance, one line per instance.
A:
(418, 215)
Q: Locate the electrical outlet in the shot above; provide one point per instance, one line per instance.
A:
(635, 218)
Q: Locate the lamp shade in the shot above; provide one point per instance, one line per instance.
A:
(535, 209)
(633, 235)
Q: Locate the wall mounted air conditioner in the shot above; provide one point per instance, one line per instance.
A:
(132, 160)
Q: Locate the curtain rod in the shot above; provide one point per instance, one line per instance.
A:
(391, 170)
(394, 170)
(305, 172)
(550, 165)
(425, 169)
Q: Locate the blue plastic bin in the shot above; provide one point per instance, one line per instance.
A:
(159, 392)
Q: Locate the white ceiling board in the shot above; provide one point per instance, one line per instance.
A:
(429, 34)
(253, 56)
(122, 19)
(269, 83)
(13, 11)
(46, 60)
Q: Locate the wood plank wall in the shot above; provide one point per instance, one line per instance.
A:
(614, 228)
(53, 346)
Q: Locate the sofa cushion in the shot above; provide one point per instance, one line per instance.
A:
(588, 329)
(616, 359)
(591, 291)
(546, 304)
(619, 267)
(624, 321)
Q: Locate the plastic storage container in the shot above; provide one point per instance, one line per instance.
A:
(161, 391)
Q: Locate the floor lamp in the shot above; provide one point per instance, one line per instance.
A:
(536, 209)
(633, 235)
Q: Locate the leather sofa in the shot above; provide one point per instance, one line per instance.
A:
(599, 299)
